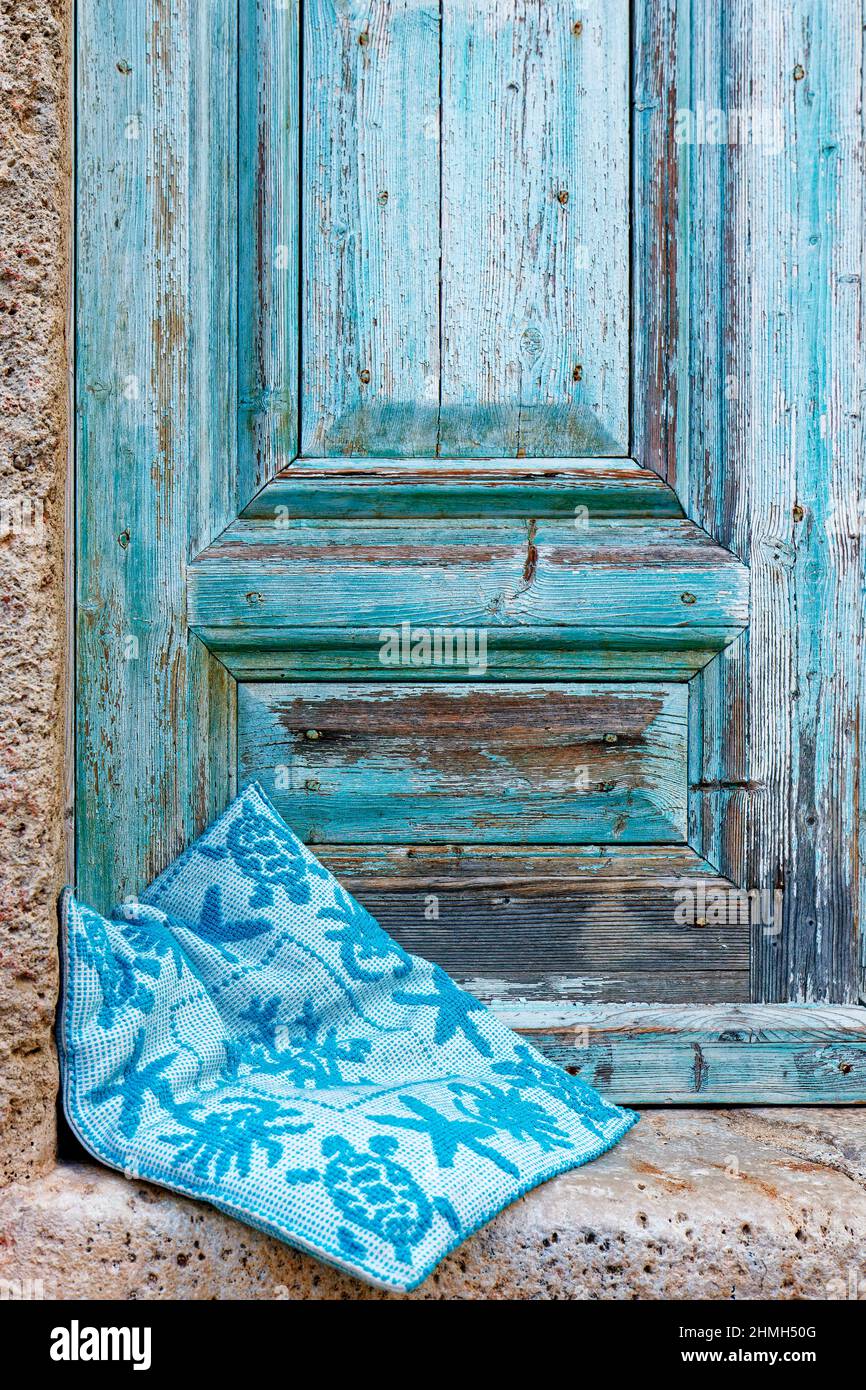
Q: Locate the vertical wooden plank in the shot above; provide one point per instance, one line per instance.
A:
(470, 763)
(826, 386)
(660, 210)
(155, 468)
(370, 335)
(773, 294)
(268, 82)
(535, 210)
(795, 449)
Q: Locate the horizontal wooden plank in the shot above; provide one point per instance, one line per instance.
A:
(580, 489)
(521, 868)
(445, 466)
(610, 985)
(518, 936)
(530, 763)
(584, 653)
(553, 922)
(631, 583)
(749, 1054)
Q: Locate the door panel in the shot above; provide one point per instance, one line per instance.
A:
(370, 197)
(465, 229)
(491, 763)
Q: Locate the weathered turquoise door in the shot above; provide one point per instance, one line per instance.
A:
(421, 472)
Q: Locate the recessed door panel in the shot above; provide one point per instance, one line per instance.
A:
(465, 237)
(530, 764)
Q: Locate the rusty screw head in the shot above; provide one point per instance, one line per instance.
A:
(577, 372)
(798, 512)
(123, 66)
(562, 196)
(577, 28)
(688, 598)
(364, 376)
(799, 72)
(364, 39)
(382, 198)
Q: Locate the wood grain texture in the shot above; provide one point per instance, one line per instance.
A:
(465, 228)
(763, 437)
(155, 328)
(581, 489)
(610, 869)
(555, 922)
(271, 653)
(659, 344)
(535, 210)
(268, 269)
(371, 226)
(636, 585)
(753, 1054)
(566, 946)
(527, 763)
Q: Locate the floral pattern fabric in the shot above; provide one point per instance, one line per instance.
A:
(247, 1033)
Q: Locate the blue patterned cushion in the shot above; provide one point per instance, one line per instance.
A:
(247, 1034)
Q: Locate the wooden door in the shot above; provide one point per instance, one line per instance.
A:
(410, 485)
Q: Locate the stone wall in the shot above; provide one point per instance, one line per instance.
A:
(34, 276)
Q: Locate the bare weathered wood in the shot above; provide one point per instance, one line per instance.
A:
(535, 207)
(267, 77)
(516, 937)
(556, 922)
(611, 869)
(156, 404)
(753, 1054)
(441, 762)
(370, 291)
(582, 489)
(610, 985)
(659, 344)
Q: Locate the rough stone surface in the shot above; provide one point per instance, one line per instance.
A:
(693, 1204)
(34, 243)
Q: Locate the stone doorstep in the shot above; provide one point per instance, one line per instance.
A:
(714, 1204)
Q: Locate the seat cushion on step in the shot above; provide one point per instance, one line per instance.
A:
(244, 1032)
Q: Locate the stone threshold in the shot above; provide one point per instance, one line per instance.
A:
(710, 1204)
